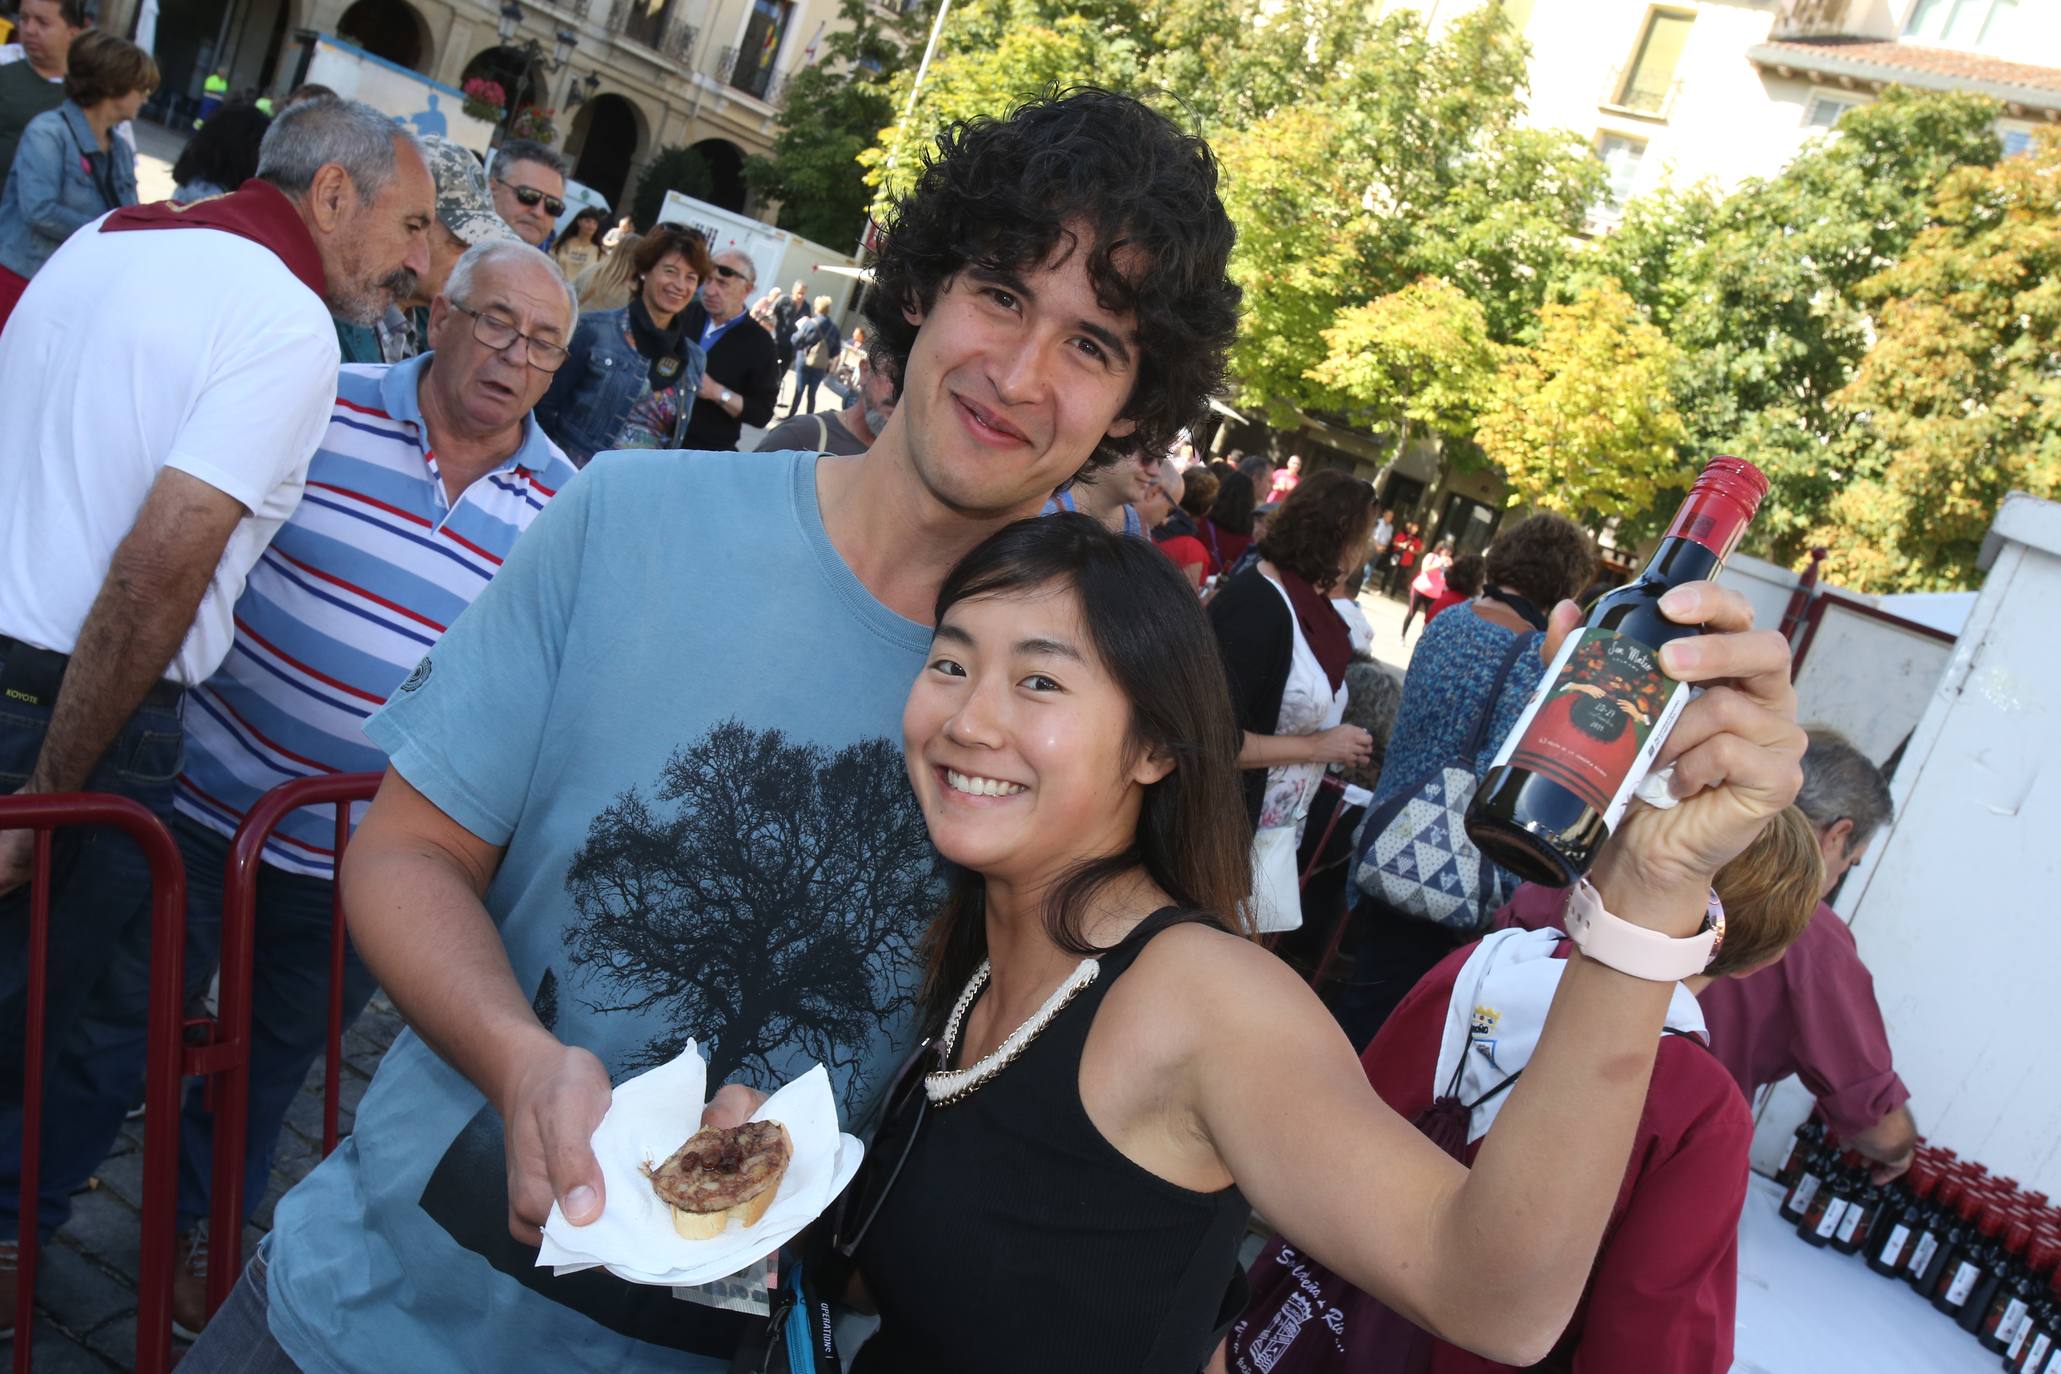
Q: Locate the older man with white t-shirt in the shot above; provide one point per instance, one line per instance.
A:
(165, 391)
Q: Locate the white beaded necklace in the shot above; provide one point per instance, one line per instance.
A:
(947, 1086)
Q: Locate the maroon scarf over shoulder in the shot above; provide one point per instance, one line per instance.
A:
(1322, 626)
(256, 210)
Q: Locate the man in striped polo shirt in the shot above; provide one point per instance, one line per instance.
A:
(428, 472)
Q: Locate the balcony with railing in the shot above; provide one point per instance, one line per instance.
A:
(750, 71)
(1822, 19)
(649, 24)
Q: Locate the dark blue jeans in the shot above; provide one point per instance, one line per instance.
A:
(239, 1339)
(94, 1019)
(289, 1020)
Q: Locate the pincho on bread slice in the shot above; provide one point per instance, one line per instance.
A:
(720, 1173)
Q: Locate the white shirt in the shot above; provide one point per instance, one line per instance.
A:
(1309, 704)
(186, 348)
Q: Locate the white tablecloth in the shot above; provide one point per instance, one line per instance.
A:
(1806, 1311)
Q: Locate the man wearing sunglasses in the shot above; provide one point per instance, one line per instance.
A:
(743, 377)
(529, 189)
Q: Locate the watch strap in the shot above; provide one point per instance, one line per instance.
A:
(1634, 949)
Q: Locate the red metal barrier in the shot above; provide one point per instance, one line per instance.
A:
(228, 1053)
(161, 1084)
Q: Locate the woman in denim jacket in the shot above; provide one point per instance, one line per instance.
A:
(69, 168)
(630, 376)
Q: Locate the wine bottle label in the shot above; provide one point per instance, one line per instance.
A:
(1806, 1189)
(1601, 713)
(1965, 1275)
(1851, 1222)
(1921, 1258)
(1893, 1248)
(2007, 1329)
(1828, 1223)
(2017, 1346)
(2053, 1364)
(2042, 1344)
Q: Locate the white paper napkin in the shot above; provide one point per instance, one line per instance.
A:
(649, 1117)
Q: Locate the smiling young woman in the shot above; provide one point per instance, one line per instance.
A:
(1062, 1183)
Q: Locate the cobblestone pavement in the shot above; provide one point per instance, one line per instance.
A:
(86, 1292)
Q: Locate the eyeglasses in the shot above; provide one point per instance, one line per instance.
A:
(499, 334)
(903, 1112)
(531, 196)
(729, 273)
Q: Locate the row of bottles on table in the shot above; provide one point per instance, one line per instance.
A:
(1983, 1251)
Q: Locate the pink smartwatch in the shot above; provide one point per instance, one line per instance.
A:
(1636, 950)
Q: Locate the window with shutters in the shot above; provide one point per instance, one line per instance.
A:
(1649, 81)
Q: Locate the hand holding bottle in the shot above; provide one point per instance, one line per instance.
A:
(1737, 750)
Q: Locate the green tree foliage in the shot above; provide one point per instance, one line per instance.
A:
(835, 110)
(994, 54)
(1959, 401)
(1760, 292)
(1581, 421)
(1358, 155)
(1419, 356)
(1405, 160)
(675, 169)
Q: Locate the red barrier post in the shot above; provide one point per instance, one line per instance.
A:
(161, 1083)
(228, 1056)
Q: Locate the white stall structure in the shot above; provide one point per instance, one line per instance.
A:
(1953, 910)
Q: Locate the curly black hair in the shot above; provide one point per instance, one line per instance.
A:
(1005, 194)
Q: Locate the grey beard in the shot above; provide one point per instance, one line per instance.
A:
(367, 304)
(875, 420)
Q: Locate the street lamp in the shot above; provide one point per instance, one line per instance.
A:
(506, 24)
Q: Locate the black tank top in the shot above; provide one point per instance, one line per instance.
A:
(1017, 1238)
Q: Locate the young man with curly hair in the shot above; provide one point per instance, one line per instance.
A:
(648, 788)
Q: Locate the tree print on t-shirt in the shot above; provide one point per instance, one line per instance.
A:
(766, 898)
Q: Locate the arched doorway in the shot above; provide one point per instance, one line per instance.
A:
(725, 173)
(510, 68)
(387, 28)
(605, 132)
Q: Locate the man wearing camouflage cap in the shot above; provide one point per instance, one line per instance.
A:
(465, 218)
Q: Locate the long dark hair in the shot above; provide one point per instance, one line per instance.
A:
(1153, 640)
(225, 151)
(1233, 511)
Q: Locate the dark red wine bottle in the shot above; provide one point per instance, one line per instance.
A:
(2011, 1306)
(1809, 1179)
(1807, 1138)
(1820, 1220)
(1929, 1253)
(1564, 775)
(1904, 1220)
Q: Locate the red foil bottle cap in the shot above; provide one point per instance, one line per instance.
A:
(2017, 1237)
(1720, 503)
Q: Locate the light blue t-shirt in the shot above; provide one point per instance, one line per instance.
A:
(679, 710)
